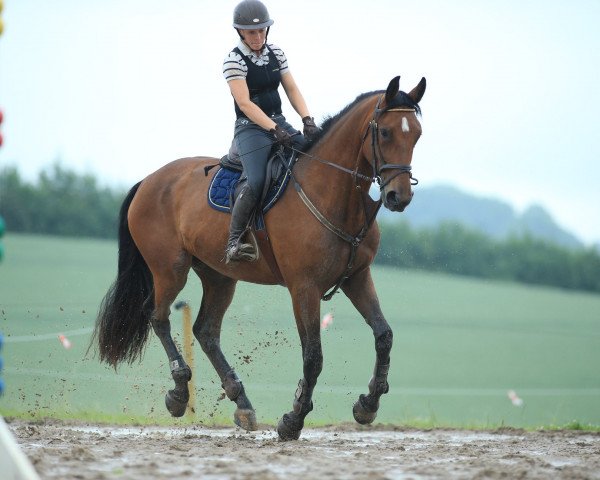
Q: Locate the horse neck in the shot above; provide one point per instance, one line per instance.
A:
(335, 191)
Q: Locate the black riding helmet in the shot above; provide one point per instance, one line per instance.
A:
(251, 15)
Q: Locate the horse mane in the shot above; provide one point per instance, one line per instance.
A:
(400, 100)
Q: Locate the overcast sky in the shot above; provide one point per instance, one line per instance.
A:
(120, 87)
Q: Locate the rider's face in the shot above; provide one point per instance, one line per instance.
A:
(255, 39)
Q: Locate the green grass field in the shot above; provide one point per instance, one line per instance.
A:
(459, 345)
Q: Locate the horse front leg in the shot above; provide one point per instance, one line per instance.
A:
(361, 292)
(306, 310)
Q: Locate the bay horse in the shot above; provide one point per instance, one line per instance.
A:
(323, 234)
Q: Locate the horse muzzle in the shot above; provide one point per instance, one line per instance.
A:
(396, 202)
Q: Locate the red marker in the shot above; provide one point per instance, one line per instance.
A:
(65, 341)
(327, 320)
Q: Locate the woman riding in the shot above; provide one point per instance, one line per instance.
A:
(254, 70)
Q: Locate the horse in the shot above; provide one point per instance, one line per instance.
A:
(323, 235)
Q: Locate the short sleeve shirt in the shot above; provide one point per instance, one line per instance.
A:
(234, 65)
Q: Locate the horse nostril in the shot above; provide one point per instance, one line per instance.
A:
(392, 198)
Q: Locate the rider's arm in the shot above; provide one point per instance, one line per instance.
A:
(241, 95)
(294, 95)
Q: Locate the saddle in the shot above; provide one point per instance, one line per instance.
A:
(230, 178)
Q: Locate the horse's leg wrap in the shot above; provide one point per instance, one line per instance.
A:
(244, 416)
(176, 400)
(301, 406)
(365, 409)
(378, 384)
(232, 385)
(292, 423)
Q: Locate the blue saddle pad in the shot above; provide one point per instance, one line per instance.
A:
(223, 185)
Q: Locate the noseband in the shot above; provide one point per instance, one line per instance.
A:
(379, 163)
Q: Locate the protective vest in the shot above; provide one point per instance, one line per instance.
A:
(263, 83)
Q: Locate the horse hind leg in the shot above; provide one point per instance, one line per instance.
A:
(361, 291)
(167, 285)
(218, 294)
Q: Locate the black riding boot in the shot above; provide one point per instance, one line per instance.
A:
(240, 215)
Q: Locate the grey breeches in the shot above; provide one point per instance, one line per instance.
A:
(254, 147)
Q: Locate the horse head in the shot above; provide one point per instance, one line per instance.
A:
(394, 131)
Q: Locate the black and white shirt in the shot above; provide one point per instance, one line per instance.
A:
(234, 65)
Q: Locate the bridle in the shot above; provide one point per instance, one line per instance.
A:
(379, 165)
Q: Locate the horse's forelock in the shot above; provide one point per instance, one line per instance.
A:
(402, 100)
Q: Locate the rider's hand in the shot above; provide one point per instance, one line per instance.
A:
(282, 136)
(310, 128)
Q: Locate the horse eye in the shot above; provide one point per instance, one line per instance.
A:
(385, 133)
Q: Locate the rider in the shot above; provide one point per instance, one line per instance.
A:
(254, 70)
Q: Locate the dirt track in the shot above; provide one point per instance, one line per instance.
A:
(83, 451)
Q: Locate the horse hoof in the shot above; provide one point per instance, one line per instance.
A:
(175, 406)
(245, 418)
(286, 432)
(361, 414)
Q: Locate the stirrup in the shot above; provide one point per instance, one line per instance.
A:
(238, 251)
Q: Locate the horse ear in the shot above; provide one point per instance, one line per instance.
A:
(416, 94)
(392, 90)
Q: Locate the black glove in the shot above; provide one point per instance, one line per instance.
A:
(310, 128)
(282, 136)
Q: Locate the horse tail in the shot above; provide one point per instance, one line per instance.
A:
(123, 322)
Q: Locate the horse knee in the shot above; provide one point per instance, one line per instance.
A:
(383, 341)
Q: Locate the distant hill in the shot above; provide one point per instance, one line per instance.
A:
(434, 205)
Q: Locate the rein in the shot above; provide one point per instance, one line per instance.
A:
(354, 173)
(354, 241)
(379, 165)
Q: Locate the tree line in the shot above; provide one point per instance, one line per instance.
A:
(455, 249)
(62, 202)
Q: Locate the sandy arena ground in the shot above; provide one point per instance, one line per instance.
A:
(80, 451)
